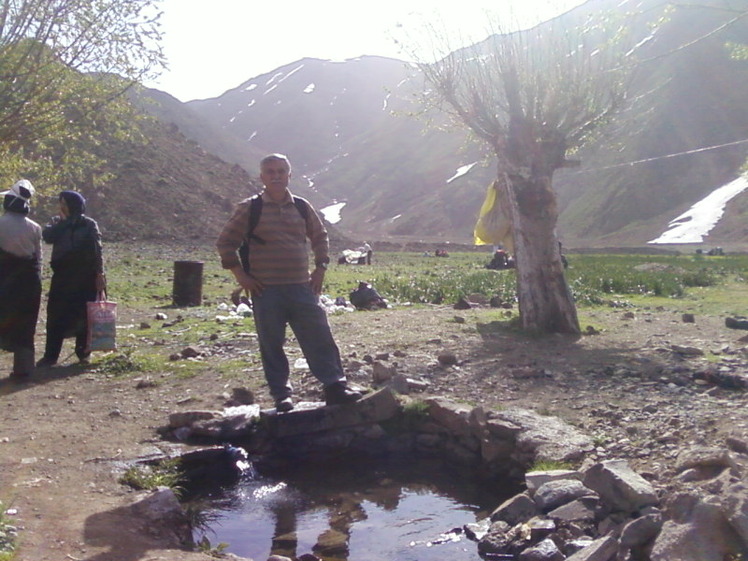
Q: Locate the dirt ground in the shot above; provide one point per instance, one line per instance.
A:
(63, 432)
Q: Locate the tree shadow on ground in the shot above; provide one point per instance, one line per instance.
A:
(514, 349)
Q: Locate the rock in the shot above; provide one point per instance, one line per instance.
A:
(499, 540)
(735, 507)
(553, 494)
(399, 384)
(417, 385)
(447, 358)
(381, 373)
(737, 444)
(519, 508)
(540, 528)
(641, 531)
(534, 479)
(373, 407)
(462, 304)
(697, 531)
(454, 418)
(543, 438)
(619, 486)
(190, 352)
(688, 318)
(163, 517)
(602, 549)
(242, 396)
(585, 509)
(686, 350)
(704, 457)
(546, 550)
(476, 531)
(145, 383)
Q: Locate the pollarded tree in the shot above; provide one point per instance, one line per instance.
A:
(64, 67)
(532, 96)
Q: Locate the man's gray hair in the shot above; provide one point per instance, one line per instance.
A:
(275, 158)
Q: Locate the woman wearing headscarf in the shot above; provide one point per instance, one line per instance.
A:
(20, 277)
(77, 276)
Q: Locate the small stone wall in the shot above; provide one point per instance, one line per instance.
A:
(598, 512)
(499, 444)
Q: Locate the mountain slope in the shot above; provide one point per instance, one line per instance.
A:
(355, 134)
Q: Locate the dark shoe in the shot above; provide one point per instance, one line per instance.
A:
(20, 376)
(339, 393)
(44, 362)
(283, 405)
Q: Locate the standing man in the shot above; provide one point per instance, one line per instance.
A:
(282, 289)
(369, 252)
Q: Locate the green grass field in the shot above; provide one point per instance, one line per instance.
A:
(140, 279)
(143, 276)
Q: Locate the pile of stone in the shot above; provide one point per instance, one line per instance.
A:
(607, 512)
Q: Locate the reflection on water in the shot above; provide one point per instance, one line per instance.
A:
(403, 511)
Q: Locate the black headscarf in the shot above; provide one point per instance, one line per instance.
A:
(75, 201)
(11, 203)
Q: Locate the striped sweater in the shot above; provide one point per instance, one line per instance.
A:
(284, 257)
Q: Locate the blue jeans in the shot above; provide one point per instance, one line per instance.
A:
(295, 305)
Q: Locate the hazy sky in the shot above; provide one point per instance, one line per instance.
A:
(215, 45)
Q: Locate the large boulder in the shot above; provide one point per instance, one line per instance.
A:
(619, 486)
(697, 531)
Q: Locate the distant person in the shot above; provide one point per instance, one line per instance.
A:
(77, 276)
(500, 260)
(20, 277)
(368, 251)
(282, 290)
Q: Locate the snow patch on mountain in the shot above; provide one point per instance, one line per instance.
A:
(698, 221)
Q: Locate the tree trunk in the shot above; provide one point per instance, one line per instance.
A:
(545, 301)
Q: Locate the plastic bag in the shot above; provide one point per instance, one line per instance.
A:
(493, 226)
(102, 325)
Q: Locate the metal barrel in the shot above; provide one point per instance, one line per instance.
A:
(188, 283)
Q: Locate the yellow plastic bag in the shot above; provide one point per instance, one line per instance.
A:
(493, 226)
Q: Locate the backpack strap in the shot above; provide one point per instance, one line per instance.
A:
(255, 210)
(302, 206)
